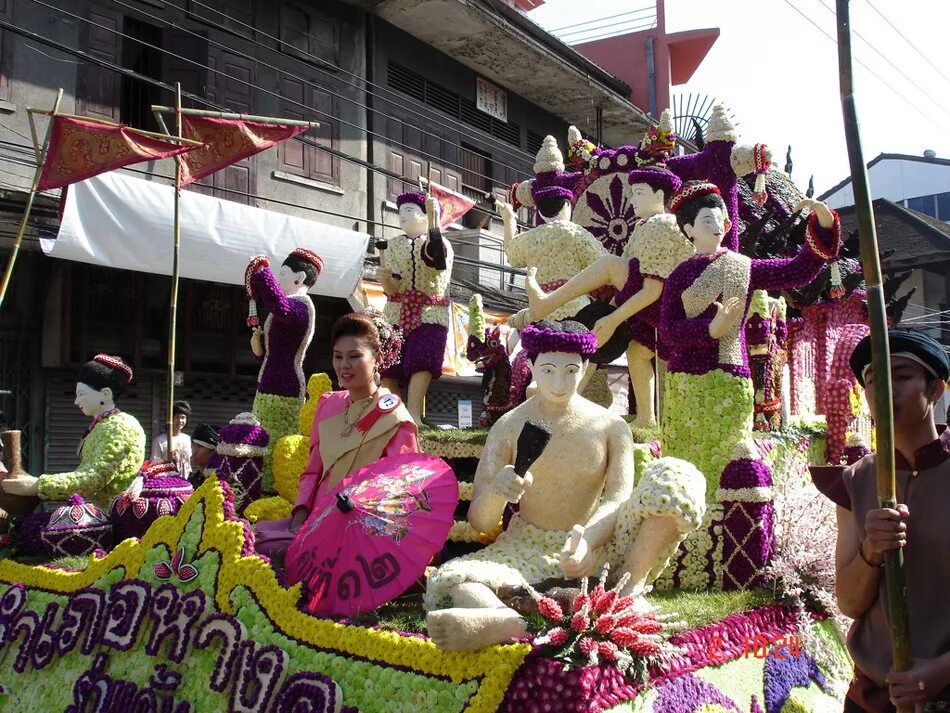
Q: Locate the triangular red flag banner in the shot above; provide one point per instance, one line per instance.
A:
(454, 205)
(79, 149)
(227, 141)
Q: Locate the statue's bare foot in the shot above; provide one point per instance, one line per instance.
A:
(537, 298)
(461, 629)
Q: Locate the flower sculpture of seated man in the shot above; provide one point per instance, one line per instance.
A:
(578, 507)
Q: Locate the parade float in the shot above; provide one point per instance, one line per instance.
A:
(185, 616)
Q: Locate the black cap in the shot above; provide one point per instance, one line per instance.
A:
(925, 350)
(206, 436)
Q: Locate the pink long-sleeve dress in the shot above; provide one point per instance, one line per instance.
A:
(333, 456)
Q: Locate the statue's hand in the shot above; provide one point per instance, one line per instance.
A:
(826, 218)
(257, 342)
(727, 316)
(509, 485)
(577, 557)
(388, 281)
(24, 485)
(506, 212)
(604, 329)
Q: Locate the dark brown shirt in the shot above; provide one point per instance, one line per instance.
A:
(926, 492)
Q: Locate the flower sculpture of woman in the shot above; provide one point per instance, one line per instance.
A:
(656, 247)
(112, 449)
(416, 280)
(282, 344)
(709, 408)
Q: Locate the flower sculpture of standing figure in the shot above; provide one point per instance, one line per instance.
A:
(656, 247)
(283, 342)
(558, 248)
(709, 408)
(415, 278)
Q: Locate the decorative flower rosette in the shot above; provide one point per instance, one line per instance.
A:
(390, 339)
(603, 627)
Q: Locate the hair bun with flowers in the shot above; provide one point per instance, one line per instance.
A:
(390, 339)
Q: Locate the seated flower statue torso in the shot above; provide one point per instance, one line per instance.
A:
(112, 450)
(283, 342)
(415, 278)
(351, 428)
(578, 507)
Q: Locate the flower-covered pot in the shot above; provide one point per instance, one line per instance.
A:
(76, 528)
(158, 490)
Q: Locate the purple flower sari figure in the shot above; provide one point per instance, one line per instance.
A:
(282, 343)
(709, 401)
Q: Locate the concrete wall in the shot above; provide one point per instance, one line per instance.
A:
(898, 180)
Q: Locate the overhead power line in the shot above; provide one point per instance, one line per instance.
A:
(574, 25)
(871, 71)
(909, 43)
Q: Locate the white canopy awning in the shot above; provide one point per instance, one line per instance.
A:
(117, 221)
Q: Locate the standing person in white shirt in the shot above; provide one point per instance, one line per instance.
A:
(181, 442)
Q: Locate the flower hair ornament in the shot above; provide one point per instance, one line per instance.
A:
(390, 339)
(258, 262)
(308, 256)
(691, 190)
(116, 363)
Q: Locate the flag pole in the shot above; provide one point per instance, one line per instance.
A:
(173, 299)
(208, 113)
(27, 209)
(894, 579)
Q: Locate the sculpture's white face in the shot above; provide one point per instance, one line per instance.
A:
(412, 220)
(291, 282)
(645, 201)
(92, 402)
(708, 229)
(557, 375)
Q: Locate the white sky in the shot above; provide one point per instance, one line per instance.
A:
(779, 74)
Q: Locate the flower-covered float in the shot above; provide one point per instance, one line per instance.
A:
(202, 623)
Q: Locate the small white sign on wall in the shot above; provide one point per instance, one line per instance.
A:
(491, 99)
(465, 413)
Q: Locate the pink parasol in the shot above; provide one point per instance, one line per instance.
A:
(371, 537)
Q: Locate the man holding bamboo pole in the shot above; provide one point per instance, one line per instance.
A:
(917, 527)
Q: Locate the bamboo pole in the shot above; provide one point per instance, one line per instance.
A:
(898, 613)
(129, 129)
(21, 231)
(173, 299)
(230, 115)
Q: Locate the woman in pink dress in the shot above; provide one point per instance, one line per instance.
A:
(351, 428)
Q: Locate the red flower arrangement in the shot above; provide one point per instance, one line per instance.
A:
(603, 627)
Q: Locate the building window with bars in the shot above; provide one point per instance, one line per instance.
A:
(476, 174)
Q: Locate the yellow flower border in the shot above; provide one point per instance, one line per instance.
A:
(494, 667)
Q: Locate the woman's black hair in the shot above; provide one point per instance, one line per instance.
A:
(686, 215)
(298, 264)
(181, 407)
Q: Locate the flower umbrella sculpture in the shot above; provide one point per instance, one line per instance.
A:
(371, 537)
